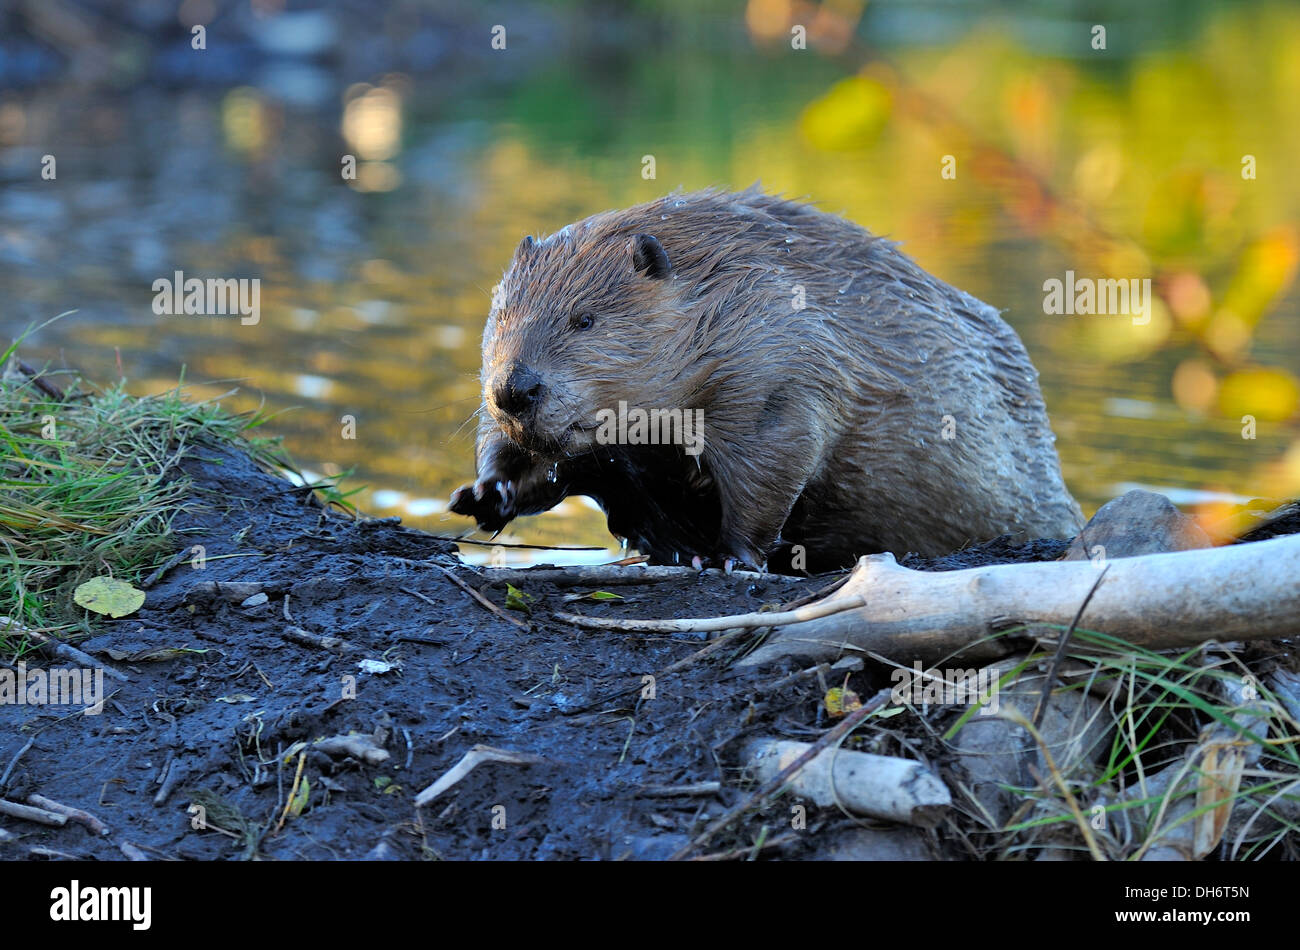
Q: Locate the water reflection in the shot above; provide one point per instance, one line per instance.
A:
(377, 187)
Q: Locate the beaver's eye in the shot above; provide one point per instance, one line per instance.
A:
(584, 321)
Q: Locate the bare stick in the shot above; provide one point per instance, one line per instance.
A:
(27, 812)
(1049, 681)
(76, 814)
(171, 562)
(4, 779)
(715, 647)
(612, 574)
(481, 599)
(320, 641)
(709, 624)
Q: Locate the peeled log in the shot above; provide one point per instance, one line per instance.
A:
(880, 786)
(1240, 592)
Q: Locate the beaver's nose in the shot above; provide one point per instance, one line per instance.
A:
(520, 392)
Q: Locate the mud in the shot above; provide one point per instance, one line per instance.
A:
(217, 698)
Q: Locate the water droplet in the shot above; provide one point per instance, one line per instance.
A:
(553, 473)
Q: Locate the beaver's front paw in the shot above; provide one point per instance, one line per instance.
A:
(489, 501)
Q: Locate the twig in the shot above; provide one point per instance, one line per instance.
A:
(514, 544)
(41, 815)
(709, 624)
(681, 791)
(63, 650)
(293, 791)
(175, 773)
(817, 594)
(38, 380)
(716, 646)
(611, 574)
(1049, 681)
(167, 565)
(76, 814)
(4, 779)
(481, 599)
(850, 722)
(320, 641)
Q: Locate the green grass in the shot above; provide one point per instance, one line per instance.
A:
(90, 486)
(1164, 711)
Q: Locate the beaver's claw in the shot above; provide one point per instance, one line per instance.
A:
(489, 501)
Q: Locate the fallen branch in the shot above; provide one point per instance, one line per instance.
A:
(1177, 599)
(879, 786)
(74, 814)
(42, 815)
(847, 725)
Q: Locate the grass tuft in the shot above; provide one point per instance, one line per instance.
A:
(90, 485)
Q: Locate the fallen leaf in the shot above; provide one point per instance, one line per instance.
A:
(299, 801)
(841, 701)
(106, 595)
(518, 600)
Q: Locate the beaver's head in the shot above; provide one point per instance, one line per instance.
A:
(582, 320)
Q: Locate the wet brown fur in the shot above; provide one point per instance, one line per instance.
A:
(822, 425)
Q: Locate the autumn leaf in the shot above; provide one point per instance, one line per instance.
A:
(108, 596)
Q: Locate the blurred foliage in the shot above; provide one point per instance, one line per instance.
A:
(1124, 163)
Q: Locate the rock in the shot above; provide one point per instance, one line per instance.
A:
(1137, 522)
(997, 755)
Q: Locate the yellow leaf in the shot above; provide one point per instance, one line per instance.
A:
(839, 702)
(105, 595)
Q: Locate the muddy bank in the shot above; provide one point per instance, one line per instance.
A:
(228, 691)
(217, 694)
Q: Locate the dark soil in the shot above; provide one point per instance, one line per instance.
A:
(220, 720)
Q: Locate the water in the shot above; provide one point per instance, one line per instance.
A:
(374, 289)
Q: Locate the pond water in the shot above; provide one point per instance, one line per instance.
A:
(1123, 162)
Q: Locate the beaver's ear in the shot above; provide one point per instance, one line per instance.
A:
(649, 257)
(525, 247)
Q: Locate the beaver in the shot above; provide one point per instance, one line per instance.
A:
(850, 402)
